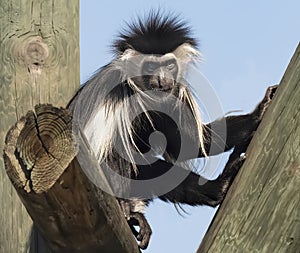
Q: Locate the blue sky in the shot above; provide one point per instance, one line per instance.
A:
(246, 46)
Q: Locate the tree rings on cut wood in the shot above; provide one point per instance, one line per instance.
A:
(39, 148)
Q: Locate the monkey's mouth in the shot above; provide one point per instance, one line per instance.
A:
(162, 84)
(163, 89)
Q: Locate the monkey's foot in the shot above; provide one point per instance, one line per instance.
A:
(137, 219)
(144, 234)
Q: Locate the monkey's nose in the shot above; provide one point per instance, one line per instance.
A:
(166, 84)
(163, 84)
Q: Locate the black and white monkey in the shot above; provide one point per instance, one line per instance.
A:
(114, 108)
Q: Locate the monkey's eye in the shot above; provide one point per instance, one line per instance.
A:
(171, 66)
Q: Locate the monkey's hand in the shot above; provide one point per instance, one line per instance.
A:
(236, 160)
(240, 128)
(261, 108)
(249, 123)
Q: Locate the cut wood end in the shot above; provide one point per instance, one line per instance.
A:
(39, 148)
(12, 165)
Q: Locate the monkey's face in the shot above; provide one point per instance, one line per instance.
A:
(157, 73)
(165, 73)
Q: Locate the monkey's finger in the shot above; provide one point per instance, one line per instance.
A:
(271, 92)
(264, 104)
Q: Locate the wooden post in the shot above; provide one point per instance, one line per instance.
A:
(43, 159)
(261, 212)
(39, 63)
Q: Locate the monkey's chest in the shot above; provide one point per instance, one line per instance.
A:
(162, 135)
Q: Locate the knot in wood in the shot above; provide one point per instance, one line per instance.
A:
(35, 52)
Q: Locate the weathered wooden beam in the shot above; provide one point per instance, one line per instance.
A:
(71, 213)
(261, 212)
(39, 63)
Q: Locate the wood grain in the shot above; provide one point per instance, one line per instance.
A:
(39, 63)
(72, 214)
(261, 212)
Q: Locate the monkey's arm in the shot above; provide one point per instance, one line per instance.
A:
(225, 133)
(194, 189)
(228, 132)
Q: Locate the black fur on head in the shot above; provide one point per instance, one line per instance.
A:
(156, 34)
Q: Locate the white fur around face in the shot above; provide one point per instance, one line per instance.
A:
(184, 51)
(187, 53)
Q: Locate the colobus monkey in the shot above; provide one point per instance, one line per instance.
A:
(141, 119)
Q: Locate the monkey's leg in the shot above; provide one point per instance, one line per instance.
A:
(196, 190)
